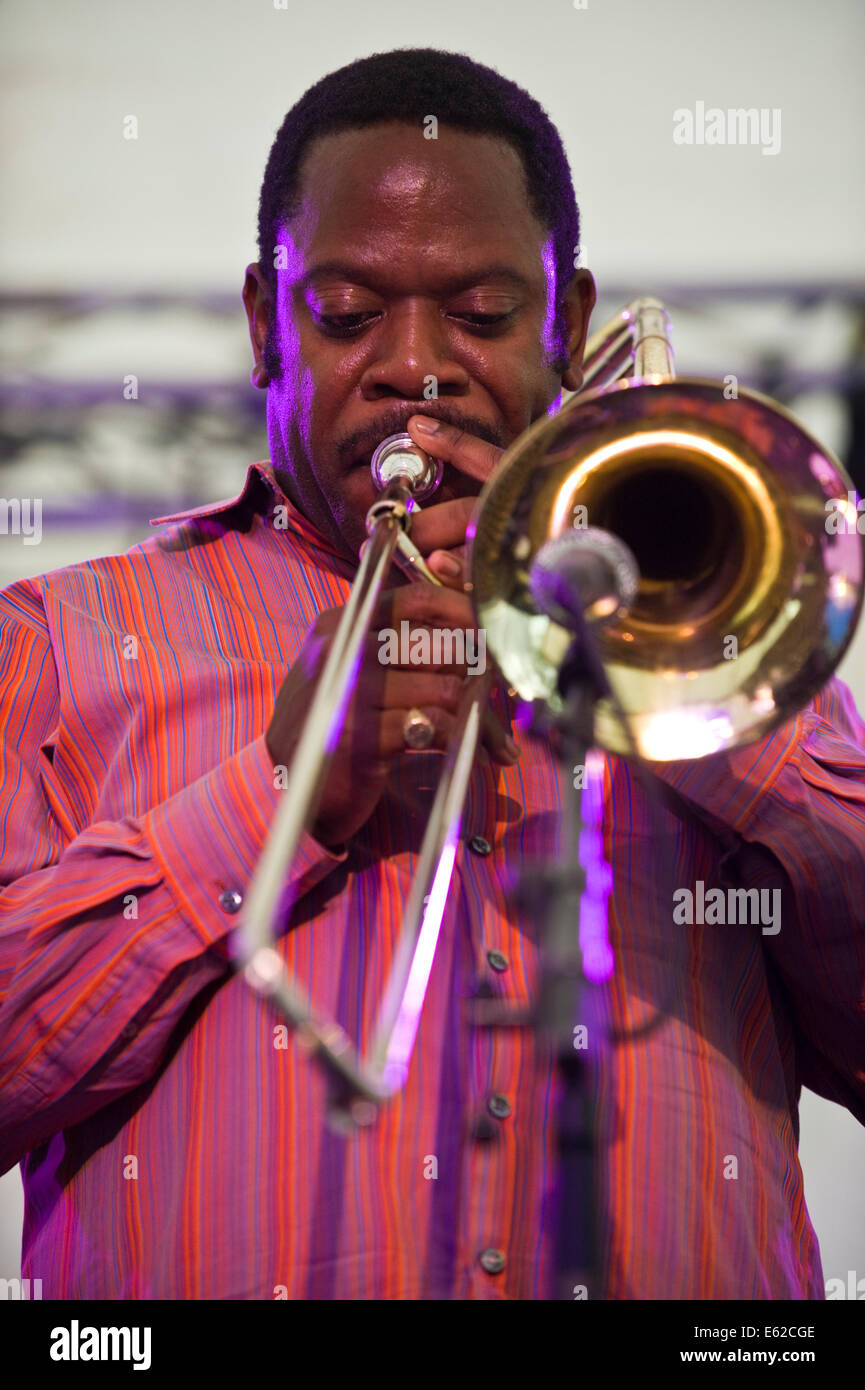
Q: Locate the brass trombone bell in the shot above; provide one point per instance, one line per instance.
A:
(746, 599)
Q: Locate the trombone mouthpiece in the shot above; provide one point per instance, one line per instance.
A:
(399, 457)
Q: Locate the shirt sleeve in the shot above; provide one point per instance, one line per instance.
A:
(795, 804)
(106, 936)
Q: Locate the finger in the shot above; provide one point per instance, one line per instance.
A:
(382, 731)
(404, 690)
(442, 526)
(426, 605)
(450, 567)
(392, 739)
(445, 694)
(471, 455)
(420, 647)
(499, 747)
(497, 740)
(415, 652)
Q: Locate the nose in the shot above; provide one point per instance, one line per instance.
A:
(412, 358)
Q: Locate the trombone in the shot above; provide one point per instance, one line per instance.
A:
(729, 603)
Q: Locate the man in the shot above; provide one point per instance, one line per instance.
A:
(174, 1141)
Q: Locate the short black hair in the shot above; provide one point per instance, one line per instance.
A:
(409, 84)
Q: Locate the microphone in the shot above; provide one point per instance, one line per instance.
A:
(585, 575)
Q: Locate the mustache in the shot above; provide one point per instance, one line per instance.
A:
(395, 421)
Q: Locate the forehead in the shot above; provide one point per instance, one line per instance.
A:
(386, 186)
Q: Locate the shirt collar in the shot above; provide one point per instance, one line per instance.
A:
(255, 474)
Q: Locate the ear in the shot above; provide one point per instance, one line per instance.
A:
(258, 305)
(578, 304)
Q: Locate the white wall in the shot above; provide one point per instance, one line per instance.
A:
(209, 81)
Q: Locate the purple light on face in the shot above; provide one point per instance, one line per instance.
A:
(548, 256)
(598, 960)
(290, 398)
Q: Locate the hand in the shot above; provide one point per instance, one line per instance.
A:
(373, 734)
(439, 532)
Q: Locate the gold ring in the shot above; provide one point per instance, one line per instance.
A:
(418, 731)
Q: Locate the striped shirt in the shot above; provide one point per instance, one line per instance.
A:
(173, 1137)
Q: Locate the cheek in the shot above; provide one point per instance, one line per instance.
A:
(521, 371)
(524, 389)
(539, 382)
(327, 381)
(300, 387)
(297, 399)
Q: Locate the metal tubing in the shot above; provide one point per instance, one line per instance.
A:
(319, 739)
(406, 988)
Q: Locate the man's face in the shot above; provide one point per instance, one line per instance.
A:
(412, 267)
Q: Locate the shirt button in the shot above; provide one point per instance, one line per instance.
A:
(493, 1261)
(499, 1106)
(497, 960)
(478, 845)
(230, 901)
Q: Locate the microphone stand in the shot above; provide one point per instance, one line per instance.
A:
(557, 894)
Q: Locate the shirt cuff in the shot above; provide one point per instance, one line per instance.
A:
(209, 836)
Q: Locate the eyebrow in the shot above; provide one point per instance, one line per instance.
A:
(343, 270)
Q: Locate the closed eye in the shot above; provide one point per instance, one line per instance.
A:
(342, 325)
(345, 325)
(484, 320)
